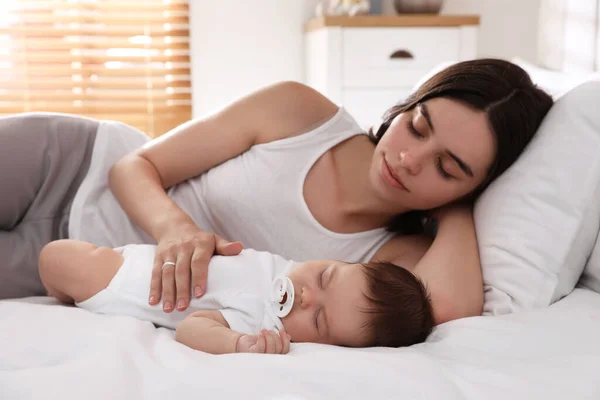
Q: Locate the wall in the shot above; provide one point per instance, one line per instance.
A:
(238, 46)
(508, 27)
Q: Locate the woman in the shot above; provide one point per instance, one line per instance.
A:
(286, 170)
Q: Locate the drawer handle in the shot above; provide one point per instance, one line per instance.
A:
(402, 54)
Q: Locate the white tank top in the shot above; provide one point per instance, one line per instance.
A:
(256, 197)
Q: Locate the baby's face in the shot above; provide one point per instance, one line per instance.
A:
(329, 297)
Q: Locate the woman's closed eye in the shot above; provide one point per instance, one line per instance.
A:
(411, 128)
(438, 161)
(440, 168)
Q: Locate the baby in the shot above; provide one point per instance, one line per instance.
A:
(255, 302)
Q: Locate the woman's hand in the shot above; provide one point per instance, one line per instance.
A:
(266, 342)
(181, 252)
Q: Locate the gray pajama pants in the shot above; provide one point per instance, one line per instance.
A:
(43, 160)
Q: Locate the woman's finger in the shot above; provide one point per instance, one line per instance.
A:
(199, 267)
(156, 281)
(168, 285)
(182, 279)
(226, 248)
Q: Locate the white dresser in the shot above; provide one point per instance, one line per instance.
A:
(369, 63)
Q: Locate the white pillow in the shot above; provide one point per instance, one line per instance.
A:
(537, 223)
(554, 82)
(591, 274)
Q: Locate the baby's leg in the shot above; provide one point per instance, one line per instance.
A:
(74, 271)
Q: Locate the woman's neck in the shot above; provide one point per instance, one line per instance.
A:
(356, 200)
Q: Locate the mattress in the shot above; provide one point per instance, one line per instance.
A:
(52, 351)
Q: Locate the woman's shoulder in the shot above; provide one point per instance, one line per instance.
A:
(298, 109)
(309, 103)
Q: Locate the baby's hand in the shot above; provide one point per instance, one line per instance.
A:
(266, 342)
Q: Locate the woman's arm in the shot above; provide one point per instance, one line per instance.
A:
(139, 180)
(449, 265)
(208, 331)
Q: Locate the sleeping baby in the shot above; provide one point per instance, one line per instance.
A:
(255, 302)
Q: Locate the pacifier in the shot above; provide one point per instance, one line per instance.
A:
(282, 296)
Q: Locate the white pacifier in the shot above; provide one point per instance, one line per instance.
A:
(282, 296)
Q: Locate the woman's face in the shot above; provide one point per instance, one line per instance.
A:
(432, 155)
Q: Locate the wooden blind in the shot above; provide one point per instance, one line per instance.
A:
(106, 59)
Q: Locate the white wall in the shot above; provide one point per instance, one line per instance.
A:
(238, 46)
(509, 28)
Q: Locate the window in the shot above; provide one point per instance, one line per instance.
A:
(106, 59)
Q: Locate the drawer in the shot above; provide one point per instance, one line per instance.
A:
(367, 106)
(387, 57)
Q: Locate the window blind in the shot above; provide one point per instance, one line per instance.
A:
(106, 59)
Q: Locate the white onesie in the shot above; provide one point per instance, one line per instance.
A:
(237, 286)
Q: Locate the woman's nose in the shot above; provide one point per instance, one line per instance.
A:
(412, 160)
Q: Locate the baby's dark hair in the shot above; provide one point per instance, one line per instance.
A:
(400, 311)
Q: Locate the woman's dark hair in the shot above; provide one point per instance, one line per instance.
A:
(515, 107)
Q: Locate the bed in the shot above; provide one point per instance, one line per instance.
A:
(52, 351)
(539, 337)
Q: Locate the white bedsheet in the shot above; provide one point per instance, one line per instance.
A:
(50, 351)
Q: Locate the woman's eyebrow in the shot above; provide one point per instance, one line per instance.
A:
(463, 165)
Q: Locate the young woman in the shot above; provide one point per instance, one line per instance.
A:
(287, 171)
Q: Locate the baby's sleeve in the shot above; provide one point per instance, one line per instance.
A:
(240, 321)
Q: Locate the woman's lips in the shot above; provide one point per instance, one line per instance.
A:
(390, 177)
